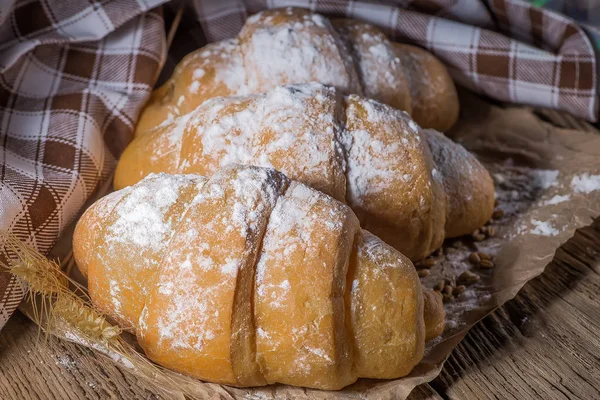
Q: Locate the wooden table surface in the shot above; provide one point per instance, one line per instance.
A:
(545, 344)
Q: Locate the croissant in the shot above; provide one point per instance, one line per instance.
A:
(291, 46)
(412, 188)
(247, 278)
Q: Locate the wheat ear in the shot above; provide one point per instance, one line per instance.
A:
(64, 312)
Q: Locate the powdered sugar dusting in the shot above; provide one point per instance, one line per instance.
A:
(194, 86)
(198, 73)
(365, 174)
(115, 292)
(137, 231)
(215, 241)
(381, 72)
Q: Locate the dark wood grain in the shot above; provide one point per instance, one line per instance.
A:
(31, 369)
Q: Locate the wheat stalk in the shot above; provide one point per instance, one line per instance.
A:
(62, 312)
(88, 321)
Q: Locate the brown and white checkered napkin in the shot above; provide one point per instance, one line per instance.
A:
(74, 75)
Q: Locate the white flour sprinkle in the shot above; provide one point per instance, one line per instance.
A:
(557, 200)
(115, 292)
(177, 130)
(585, 183)
(198, 73)
(545, 179)
(194, 86)
(413, 126)
(67, 362)
(261, 130)
(543, 228)
(141, 221)
(231, 267)
(76, 338)
(291, 52)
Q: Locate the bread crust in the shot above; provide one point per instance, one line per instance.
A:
(247, 279)
(435, 102)
(293, 46)
(411, 187)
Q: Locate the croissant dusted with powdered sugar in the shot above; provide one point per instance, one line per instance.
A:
(292, 46)
(410, 187)
(247, 278)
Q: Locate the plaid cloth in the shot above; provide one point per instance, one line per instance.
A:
(583, 11)
(73, 76)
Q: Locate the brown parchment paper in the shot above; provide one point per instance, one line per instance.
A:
(548, 185)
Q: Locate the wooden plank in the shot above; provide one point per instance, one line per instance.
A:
(30, 369)
(542, 344)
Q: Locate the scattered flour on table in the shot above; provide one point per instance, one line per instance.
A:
(67, 361)
(545, 178)
(585, 183)
(543, 228)
(257, 395)
(557, 199)
(76, 338)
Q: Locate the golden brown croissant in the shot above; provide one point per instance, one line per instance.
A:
(292, 46)
(249, 279)
(370, 155)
